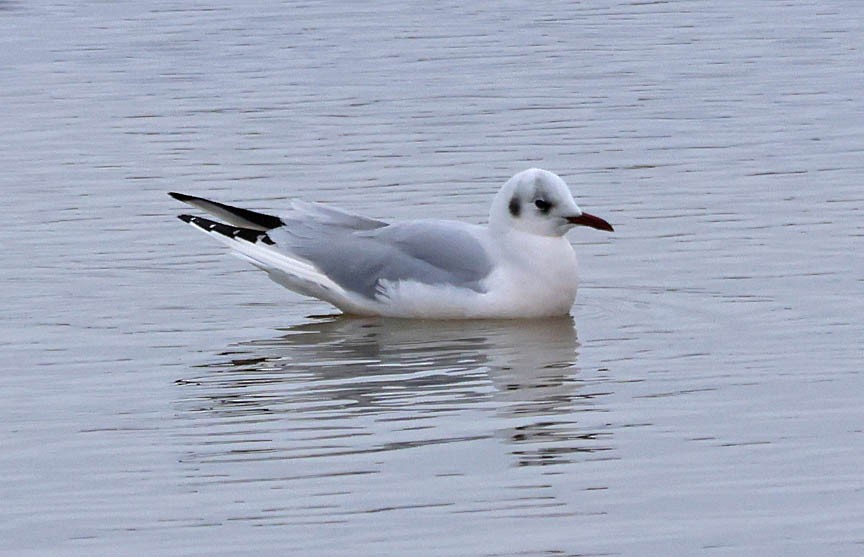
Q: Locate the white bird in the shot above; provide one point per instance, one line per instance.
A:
(520, 265)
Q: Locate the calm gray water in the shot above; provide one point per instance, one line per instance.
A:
(162, 398)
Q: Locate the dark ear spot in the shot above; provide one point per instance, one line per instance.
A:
(515, 207)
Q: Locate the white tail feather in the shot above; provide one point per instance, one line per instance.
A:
(292, 272)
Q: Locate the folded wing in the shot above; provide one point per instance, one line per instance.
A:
(345, 258)
(428, 252)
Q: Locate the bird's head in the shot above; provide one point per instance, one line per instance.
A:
(539, 202)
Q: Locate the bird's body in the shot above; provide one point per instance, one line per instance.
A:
(518, 266)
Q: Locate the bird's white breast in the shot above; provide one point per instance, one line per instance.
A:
(537, 276)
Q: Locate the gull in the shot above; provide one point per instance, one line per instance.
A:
(519, 265)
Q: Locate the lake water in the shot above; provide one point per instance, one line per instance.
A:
(162, 398)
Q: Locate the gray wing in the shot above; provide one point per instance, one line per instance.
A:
(430, 252)
(313, 220)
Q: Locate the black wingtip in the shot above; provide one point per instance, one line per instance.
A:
(180, 196)
(207, 225)
(252, 218)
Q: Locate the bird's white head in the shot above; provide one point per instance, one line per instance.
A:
(539, 202)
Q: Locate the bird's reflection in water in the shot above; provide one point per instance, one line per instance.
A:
(521, 375)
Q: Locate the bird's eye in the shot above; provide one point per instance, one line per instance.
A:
(543, 205)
